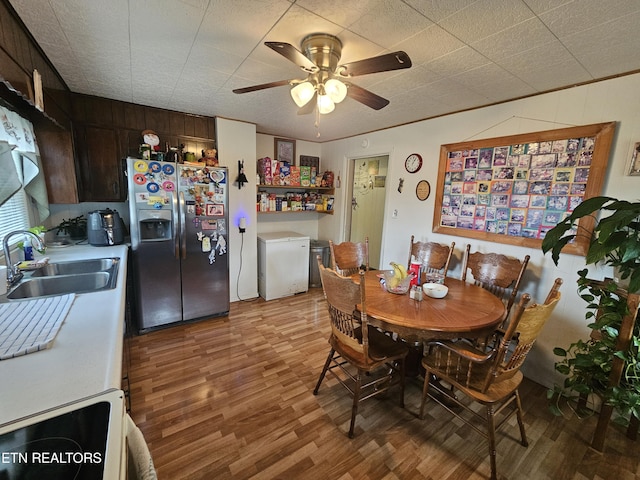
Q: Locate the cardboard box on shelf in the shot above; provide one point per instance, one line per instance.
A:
(305, 176)
(295, 176)
(285, 174)
(264, 170)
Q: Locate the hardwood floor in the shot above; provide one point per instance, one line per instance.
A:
(231, 398)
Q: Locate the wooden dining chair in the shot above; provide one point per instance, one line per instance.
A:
(489, 378)
(497, 273)
(364, 360)
(434, 256)
(348, 258)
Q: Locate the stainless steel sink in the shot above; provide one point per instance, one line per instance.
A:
(81, 276)
(78, 267)
(62, 284)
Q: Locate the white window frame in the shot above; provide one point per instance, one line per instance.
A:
(17, 212)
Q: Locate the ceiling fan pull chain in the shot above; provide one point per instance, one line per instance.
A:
(317, 122)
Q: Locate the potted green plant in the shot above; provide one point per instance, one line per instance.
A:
(76, 228)
(586, 364)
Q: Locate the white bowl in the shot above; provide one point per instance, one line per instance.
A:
(435, 290)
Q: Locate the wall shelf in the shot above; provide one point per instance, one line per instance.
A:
(281, 190)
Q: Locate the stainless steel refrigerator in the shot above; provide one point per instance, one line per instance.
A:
(179, 231)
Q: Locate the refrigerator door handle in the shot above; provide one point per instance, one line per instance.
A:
(175, 226)
(183, 229)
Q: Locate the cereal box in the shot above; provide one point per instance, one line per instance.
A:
(295, 176)
(264, 170)
(285, 174)
(275, 168)
(305, 176)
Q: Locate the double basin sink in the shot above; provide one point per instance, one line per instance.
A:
(80, 276)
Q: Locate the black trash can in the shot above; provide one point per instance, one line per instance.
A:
(317, 247)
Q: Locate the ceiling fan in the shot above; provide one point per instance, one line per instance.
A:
(327, 82)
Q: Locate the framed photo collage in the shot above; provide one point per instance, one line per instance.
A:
(515, 189)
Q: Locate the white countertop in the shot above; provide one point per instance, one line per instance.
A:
(86, 355)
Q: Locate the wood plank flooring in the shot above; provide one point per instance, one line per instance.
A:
(231, 398)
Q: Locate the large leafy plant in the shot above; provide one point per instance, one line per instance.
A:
(586, 364)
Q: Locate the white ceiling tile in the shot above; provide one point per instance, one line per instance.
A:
(607, 49)
(338, 11)
(105, 20)
(237, 27)
(541, 6)
(436, 10)
(555, 57)
(493, 81)
(188, 55)
(388, 23)
(429, 44)
(511, 41)
(458, 61)
(485, 18)
(572, 18)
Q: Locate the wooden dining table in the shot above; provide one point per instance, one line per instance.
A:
(466, 311)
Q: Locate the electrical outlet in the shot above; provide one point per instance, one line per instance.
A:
(394, 214)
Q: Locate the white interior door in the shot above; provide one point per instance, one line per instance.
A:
(368, 185)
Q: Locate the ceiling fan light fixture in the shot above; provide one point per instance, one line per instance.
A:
(336, 90)
(302, 93)
(325, 104)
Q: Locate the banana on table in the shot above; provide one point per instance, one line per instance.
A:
(399, 274)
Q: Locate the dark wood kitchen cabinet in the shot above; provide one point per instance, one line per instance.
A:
(107, 131)
(101, 178)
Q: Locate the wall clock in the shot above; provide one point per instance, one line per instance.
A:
(413, 163)
(423, 190)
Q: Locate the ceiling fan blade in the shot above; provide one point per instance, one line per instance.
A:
(366, 97)
(262, 86)
(310, 106)
(383, 63)
(292, 54)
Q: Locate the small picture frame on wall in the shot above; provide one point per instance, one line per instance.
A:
(285, 150)
(634, 166)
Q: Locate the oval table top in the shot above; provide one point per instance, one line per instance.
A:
(467, 311)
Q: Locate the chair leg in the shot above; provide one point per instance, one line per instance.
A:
(425, 390)
(402, 381)
(491, 427)
(523, 434)
(356, 399)
(324, 371)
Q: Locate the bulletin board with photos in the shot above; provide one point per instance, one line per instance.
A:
(516, 188)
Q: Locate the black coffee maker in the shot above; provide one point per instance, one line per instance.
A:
(104, 228)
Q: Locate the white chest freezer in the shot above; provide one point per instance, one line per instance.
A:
(283, 264)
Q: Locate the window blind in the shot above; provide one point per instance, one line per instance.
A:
(14, 215)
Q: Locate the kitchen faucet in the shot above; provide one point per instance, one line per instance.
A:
(14, 275)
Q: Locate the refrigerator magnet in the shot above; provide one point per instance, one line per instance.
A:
(206, 244)
(168, 186)
(153, 187)
(209, 225)
(217, 176)
(221, 245)
(139, 179)
(168, 169)
(140, 166)
(155, 167)
(214, 210)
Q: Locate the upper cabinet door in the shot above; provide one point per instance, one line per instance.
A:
(99, 163)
